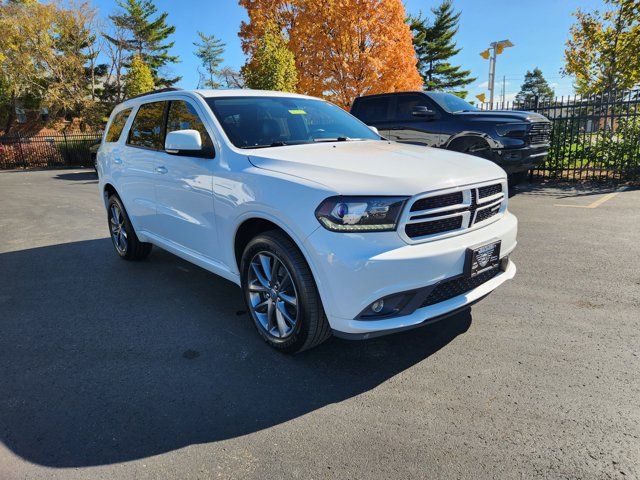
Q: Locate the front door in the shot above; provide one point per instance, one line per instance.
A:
(408, 128)
(184, 188)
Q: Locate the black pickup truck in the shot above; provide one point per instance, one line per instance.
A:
(515, 140)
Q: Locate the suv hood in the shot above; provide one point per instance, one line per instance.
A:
(377, 167)
(502, 116)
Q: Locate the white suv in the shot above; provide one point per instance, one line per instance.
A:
(326, 226)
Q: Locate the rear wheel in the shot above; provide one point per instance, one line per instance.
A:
(281, 294)
(123, 236)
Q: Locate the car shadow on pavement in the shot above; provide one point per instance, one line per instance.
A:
(89, 176)
(105, 361)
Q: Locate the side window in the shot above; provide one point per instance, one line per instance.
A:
(182, 116)
(405, 104)
(117, 125)
(373, 109)
(146, 130)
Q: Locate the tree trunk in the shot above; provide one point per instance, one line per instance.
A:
(11, 114)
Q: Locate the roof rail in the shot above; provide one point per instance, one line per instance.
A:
(161, 90)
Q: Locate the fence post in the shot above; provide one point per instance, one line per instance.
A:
(66, 149)
(22, 159)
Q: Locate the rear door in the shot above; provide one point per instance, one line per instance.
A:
(138, 164)
(184, 186)
(375, 111)
(407, 128)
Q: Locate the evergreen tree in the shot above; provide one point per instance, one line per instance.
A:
(146, 36)
(139, 78)
(534, 86)
(434, 46)
(272, 66)
(210, 50)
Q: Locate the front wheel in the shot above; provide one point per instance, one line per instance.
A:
(475, 147)
(281, 294)
(124, 238)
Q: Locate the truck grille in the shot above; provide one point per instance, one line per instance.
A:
(433, 215)
(540, 132)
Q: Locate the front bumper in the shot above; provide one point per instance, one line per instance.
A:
(515, 160)
(353, 270)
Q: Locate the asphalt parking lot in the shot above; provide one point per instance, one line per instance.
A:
(111, 369)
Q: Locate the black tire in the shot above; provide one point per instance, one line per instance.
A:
(134, 249)
(471, 146)
(311, 327)
(517, 178)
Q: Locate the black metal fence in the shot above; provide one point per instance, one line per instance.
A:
(43, 151)
(594, 137)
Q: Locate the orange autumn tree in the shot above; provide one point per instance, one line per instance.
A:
(343, 48)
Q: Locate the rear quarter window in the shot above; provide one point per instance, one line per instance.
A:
(117, 125)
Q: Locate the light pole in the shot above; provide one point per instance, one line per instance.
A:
(491, 53)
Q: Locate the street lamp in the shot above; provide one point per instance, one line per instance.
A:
(495, 49)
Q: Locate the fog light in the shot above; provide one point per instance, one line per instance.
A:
(377, 306)
(387, 306)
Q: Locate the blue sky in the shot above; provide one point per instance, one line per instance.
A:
(538, 28)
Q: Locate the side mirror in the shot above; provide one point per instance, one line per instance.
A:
(183, 141)
(373, 129)
(423, 112)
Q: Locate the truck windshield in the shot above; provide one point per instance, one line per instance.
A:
(451, 103)
(261, 122)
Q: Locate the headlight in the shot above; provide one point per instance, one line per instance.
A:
(515, 130)
(360, 214)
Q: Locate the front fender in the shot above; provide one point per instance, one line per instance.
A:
(492, 142)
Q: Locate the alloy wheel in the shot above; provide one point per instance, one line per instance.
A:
(272, 295)
(118, 229)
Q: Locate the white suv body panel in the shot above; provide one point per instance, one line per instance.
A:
(195, 209)
(371, 268)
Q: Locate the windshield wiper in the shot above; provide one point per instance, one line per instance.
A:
(279, 143)
(337, 139)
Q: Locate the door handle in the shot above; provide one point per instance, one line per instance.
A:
(162, 170)
(117, 160)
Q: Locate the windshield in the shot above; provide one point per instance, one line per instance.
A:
(259, 122)
(451, 103)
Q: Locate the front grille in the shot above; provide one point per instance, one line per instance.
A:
(438, 201)
(539, 132)
(439, 214)
(487, 213)
(490, 190)
(433, 227)
(448, 289)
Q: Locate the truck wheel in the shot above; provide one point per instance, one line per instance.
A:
(518, 177)
(124, 238)
(281, 294)
(472, 146)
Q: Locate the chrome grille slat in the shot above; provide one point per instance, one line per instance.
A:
(539, 132)
(479, 204)
(433, 219)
